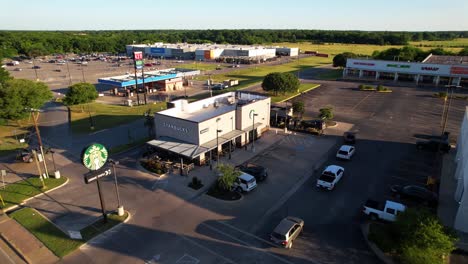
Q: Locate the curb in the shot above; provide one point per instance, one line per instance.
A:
(379, 253)
(102, 234)
(5, 210)
(305, 91)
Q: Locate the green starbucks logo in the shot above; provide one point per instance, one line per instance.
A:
(95, 156)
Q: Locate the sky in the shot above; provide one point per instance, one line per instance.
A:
(368, 15)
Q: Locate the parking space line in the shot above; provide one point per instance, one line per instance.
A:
(362, 100)
(246, 244)
(246, 233)
(207, 249)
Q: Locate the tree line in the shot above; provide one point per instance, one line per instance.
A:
(39, 43)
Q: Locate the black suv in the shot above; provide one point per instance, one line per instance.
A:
(416, 193)
(260, 173)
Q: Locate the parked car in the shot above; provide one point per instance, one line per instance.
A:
(389, 212)
(25, 156)
(287, 231)
(260, 173)
(245, 183)
(219, 86)
(416, 193)
(349, 137)
(316, 124)
(36, 67)
(330, 177)
(346, 152)
(18, 69)
(434, 145)
(148, 64)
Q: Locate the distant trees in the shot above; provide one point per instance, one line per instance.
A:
(340, 59)
(280, 82)
(37, 43)
(80, 93)
(17, 95)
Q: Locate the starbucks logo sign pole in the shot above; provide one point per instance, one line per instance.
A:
(94, 157)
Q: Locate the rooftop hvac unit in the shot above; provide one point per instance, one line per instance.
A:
(231, 100)
(206, 105)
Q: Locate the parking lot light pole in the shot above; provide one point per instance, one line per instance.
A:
(253, 131)
(120, 208)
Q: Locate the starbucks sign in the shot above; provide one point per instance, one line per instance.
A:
(94, 156)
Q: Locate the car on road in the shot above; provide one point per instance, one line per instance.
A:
(346, 152)
(244, 183)
(260, 173)
(389, 212)
(287, 231)
(36, 67)
(330, 177)
(148, 64)
(434, 145)
(349, 137)
(219, 86)
(416, 193)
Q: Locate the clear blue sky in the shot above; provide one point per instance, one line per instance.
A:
(392, 15)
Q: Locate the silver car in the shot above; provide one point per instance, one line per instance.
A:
(287, 231)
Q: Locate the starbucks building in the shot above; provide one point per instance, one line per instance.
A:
(220, 123)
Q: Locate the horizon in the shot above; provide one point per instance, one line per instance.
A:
(334, 15)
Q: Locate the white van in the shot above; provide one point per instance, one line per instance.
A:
(245, 183)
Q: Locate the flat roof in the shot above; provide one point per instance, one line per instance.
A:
(445, 59)
(211, 107)
(149, 76)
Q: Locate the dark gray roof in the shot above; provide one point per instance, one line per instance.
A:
(444, 59)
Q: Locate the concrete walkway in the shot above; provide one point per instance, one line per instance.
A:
(21, 245)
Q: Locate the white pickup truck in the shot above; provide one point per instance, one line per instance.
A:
(389, 212)
(330, 177)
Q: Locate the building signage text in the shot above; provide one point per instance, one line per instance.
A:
(174, 127)
(364, 63)
(204, 130)
(398, 66)
(430, 68)
(458, 70)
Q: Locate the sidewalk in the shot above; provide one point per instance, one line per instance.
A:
(448, 207)
(28, 248)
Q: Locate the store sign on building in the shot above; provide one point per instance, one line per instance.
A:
(364, 63)
(429, 68)
(174, 127)
(204, 130)
(402, 66)
(458, 70)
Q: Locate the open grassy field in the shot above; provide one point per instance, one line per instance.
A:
(255, 74)
(10, 133)
(456, 43)
(107, 116)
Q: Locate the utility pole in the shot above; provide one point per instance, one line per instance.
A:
(38, 168)
(35, 117)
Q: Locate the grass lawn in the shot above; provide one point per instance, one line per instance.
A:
(107, 116)
(198, 66)
(255, 74)
(302, 88)
(53, 238)
(17, 192)
(335, 48)
(10, 133)
(121, 148)
(458, 43)
(331, 74)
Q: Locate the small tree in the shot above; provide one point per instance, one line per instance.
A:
(16, 95)
(298, 107)
(280, 82)
(340, 59)
(326, 113)
(422, 238)
(228, 176)
(80, 93)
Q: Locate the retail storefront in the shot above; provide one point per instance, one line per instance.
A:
(197, 131)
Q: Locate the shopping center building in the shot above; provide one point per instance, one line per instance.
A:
(434, 70)
(195, 131)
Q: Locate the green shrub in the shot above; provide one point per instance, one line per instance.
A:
(381, 88)
(382, 236)
(363, 87)
(415, 255)
(326, 113)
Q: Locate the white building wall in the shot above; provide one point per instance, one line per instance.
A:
(176, 128)
(208, 128)
(261, 107)
(461, 175)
